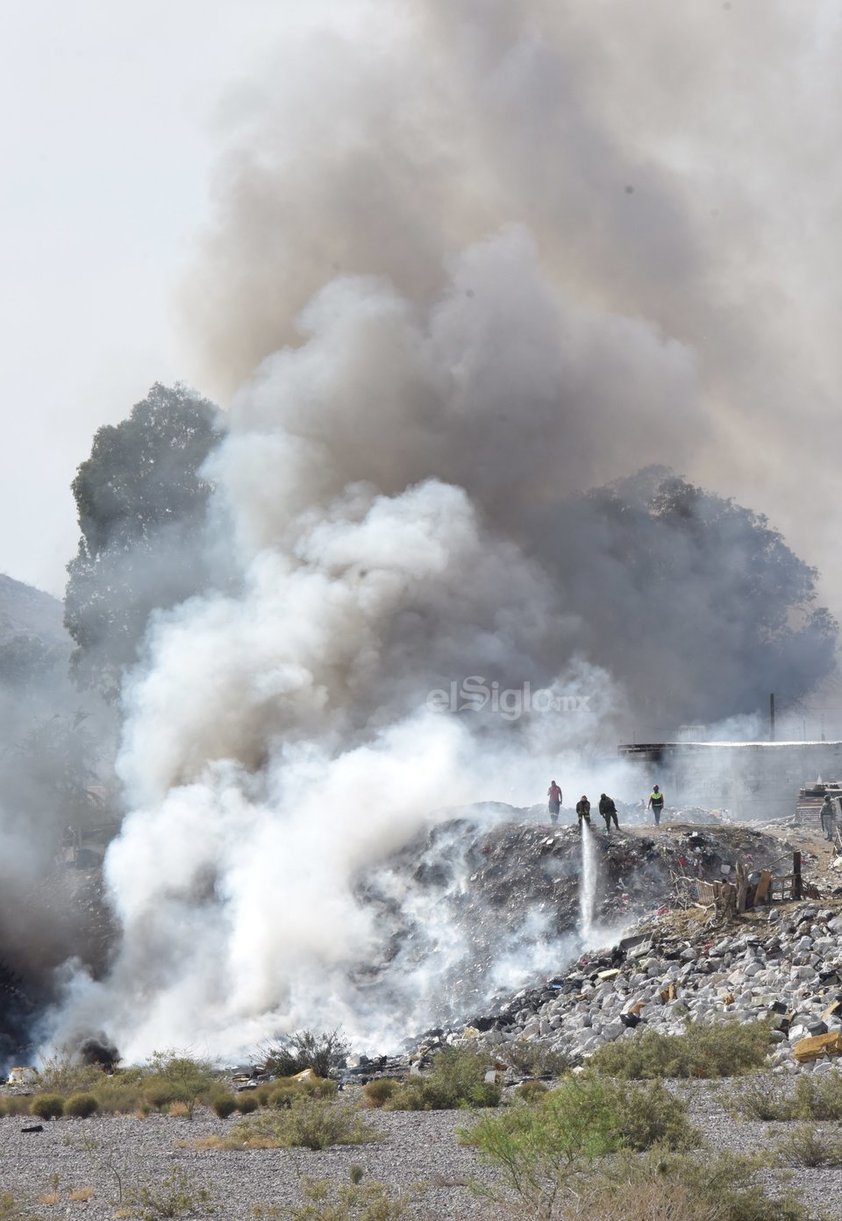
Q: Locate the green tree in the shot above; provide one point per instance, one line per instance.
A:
(141, 500)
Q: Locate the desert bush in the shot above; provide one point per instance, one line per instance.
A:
(761, 1098)
(63, 1074)
(47, 1106)
(531, 1091)
(81, 1106)
(379, 1091)
(12, 1209)
(15, 1104)
(457, 1079)
(727, 1049)
(310, 1123)
(533, 1058)
(176, 1196)
(588, 1151)
(582, 1119)
(663, 1186)
(224, 1105)
(817, 1097)
(247, 1104)
(322, 1051)
(119, 1094)
(805, 1146)
(325, 1201)
(174, 1078)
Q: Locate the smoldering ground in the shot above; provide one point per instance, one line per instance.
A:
(466, 268)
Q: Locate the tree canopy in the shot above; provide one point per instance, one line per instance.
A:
(141, 500)
(696, 603)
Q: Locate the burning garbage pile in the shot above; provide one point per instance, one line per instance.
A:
(684, 961)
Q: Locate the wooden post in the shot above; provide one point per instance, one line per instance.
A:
(797, 892)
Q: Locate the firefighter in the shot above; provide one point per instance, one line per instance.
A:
(554, 803)
(828, 817)
(583, 810)
(608, 811)
(656, 803)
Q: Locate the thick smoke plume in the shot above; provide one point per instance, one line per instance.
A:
(465, 271)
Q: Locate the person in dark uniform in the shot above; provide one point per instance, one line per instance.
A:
(608, 811)
(583, 810)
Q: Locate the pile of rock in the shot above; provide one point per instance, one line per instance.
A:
(785, 967)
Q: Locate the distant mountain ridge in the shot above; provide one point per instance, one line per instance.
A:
(26, 611)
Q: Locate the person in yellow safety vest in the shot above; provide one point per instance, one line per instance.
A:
(656, 803)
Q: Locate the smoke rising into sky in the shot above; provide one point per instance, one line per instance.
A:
(467, 265)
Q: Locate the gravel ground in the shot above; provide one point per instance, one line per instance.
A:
(102, 1154)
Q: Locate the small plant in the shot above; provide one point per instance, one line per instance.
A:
(324, 1052)
(324, 1201)
(63, 1074)
(727, 1049)
(534, 1058)
(356, 1174)
(224, 1105)
(247, 1104)
(804, 1146)
(379, 1091)
(457, 1079)
(12, 1209)
(310, 1124)
(175, 1197)
(175, 1078)
(761, 1098)
(81, 1106)
(531, 1091)
(662, 1186)
(47, 1106)
(814, 1097)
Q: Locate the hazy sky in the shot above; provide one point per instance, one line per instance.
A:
(114, 116)
(109, 124)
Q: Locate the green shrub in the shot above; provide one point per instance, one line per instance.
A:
(323, 1051)
(376, 1092)
(160, 1093)
(531, 1091)
(81, 1106)
(224, 1105)
(47, 1106)
(728, 1049)
(175, 1196)
(457, 1079)
(325, 1201)
(817, 1097)
(804, 1146)
(600, 1149)
(534, 1058)
(663, 1186)
(246, 1104)
(310, 1123)
(120, 1095)
(174, 1078)
(63, 1074)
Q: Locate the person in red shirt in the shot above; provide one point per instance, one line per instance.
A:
(554, 805)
